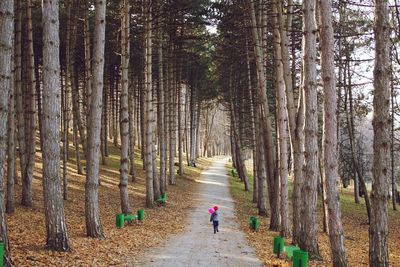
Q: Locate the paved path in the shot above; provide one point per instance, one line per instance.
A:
(198, 245)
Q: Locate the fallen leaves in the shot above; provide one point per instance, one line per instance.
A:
(355, 229)
(120, 247)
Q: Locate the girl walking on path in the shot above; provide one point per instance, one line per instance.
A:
(215, 219)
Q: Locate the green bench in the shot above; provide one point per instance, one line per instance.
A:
(254, 223)
(162, 199)
(234, 172)
(293, 253)
(121, 218)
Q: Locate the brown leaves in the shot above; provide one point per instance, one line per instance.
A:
(355, 229)
(27, 231)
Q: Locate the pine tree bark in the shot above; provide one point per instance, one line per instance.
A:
(392, 142)
(309, 229)
(67, 90)
(18, 89)
(88, 64)
(265, 116)
(56, 229)
(282, 129)
(149, 107)
(124, 117)
(193, 125)
(30, 119)
(93, 224)
(162, 119)
(11, 161)
(263, 196)
(171, 118)
(254, 126)
(78, 134)
(6, 77)
(132, 131)
(240, 163)
(180, 132)
(378, 229)
(350, 127)
(331, 176)
(295, 116)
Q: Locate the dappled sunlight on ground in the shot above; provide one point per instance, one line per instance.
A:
(27, 228)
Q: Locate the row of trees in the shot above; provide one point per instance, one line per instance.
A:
(266, 60)
(137, 74)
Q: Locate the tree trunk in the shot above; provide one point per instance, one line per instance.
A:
(180, 132)
(331, 175)
(392, 162)
(162, 118)
(350, 127)
(309, 229)
(30, 119)
(20, 125)
(66, 95)
(172, 130)
(124, 117)
(38, 89)
(378, 229)
(132, 135)
(295, 116)
(149, 107)
(322, 194)
(254, 126)
(142, 120)
(187, 114)
(156, 178)
(265, 116)
(56, 229)
(93, 224)
(104, 129)
(88, 64)
(192, 124)
(263, 196)
(282, 130)
(74, 82)
(240, 163)
(116, 108)
(6, 84)
(11, 170)
(197, 135)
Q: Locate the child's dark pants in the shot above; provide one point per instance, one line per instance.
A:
(215, 223)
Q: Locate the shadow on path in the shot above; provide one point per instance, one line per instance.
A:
(198, 245)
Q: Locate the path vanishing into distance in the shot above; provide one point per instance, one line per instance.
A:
(198, 245)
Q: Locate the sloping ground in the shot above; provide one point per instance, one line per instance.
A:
(198, 245)
(355, 228)
(27, 229)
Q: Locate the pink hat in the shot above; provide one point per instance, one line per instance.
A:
(215, 208)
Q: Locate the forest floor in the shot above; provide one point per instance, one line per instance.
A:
(355, 223)
(26, 227)
(198, 245)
